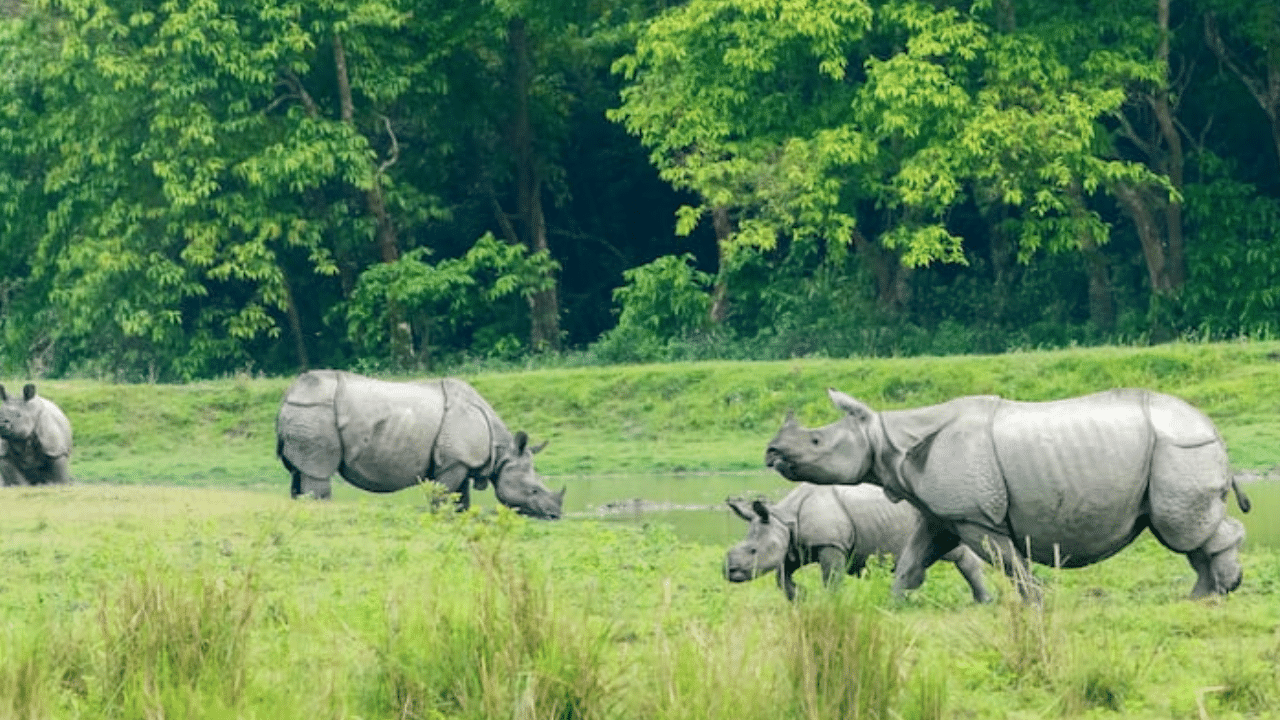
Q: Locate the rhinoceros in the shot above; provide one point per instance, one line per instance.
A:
(385, 436)
(838, 526)
(1065, 483)
(35, 440)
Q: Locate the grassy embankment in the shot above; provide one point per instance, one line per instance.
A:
(216, 602)
(662, 418)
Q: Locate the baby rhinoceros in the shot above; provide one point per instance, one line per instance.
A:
(838, 526)
(35, 440)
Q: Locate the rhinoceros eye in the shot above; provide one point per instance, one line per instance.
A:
(815, 440)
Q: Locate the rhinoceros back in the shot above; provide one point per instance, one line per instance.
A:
(1076, 472)
(306, 427)
(388, 431)
(854, 518)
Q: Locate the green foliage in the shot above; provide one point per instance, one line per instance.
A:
(891, 115)
(1234, 286)
(443, 300)
(665, 300)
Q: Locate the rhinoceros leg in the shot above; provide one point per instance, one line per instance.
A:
(970, 566)
(1217, 562)
(785, 581)
(454, 480)
(927, 544)
(1000, 550)
(835, 564)
(304, 484)
(59, 470)
(11, 475)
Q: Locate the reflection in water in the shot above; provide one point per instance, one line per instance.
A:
(693, 505)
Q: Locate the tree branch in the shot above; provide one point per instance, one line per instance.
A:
(1267, 99)
(395, 146)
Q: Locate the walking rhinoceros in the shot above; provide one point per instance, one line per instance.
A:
(385, 436)
(35, 440)
(1066, 483)
(838, 526)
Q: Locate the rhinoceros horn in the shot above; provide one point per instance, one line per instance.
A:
(538, 448)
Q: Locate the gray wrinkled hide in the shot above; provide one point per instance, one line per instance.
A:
(35, 440)
(1067, 483)
(838, 526)
(385, 436)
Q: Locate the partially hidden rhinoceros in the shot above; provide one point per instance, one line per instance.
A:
(1066, 483)
(837, 526)
(385, 436)
(35, 440)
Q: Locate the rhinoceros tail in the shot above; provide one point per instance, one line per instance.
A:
(1241, 498)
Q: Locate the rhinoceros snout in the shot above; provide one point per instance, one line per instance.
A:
(772, 456)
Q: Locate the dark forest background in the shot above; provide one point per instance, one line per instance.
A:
(194, 189)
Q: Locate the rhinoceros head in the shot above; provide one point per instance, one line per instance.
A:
(519, 487)
(764, 549)
(836, 454)
(18, 416)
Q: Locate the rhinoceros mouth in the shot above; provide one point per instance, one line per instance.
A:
(538, 514)
(776, 460)
(737, 575)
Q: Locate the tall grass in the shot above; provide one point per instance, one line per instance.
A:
(372, 610)
(496, 646)
(175, 649)
(846, 660)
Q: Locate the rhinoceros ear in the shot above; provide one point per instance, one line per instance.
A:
(3, 395)
(522, 439)
(761, 509)
(740, 508)
(851, 406)
(28, 392)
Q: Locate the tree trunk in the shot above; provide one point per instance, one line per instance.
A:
(388, 243)
(1102, 306)
(892, 288)
(1175, 260)
(544, 305)
(1137, 206)
(723, 225)
(295, 325)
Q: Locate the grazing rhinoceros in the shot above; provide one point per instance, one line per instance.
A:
(839, 527)
(35, 440)
(385, 436)
(1065, 483)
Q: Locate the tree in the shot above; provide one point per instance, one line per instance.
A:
(190, 151)
(871, 123)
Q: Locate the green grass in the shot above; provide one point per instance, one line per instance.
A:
(170, 585)
(178, 602)
(663, 418)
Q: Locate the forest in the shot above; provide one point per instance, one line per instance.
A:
(196, 189)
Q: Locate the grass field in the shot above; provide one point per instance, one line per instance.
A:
(143, 601)
(169, 584)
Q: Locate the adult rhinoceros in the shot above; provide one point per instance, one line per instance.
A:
(1068, 482)
(35, 440)
(385, 436)
(837, 526)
